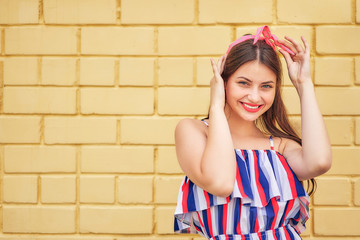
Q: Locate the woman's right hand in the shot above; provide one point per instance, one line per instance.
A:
(217, 88)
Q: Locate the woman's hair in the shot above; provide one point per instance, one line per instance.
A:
(275, 120)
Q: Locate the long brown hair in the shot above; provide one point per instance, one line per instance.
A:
(275, 120)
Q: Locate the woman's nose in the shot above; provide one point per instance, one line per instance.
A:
(254, 95)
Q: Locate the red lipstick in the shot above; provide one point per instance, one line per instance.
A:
(251, 107)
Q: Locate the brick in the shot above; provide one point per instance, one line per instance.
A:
(58, 71)
(28, 74)
(337, 222)
(328, 100)
(357, 70)
(167, 161)
(39, 100)
(227, 11)
(130, 75)
(291, 100)
(19, 11)
(122, 220)
(357, 131)
(79, 130)
(39, 159)
(169, 73)
(174, 237)
(162, 11)
(38, 219)
(40, 40)
(106, 159)
(97, 71)
(294, 32)
(167, 189)
(345, 161)
(357, 11)
(357, 191)
(97, 189)
(58, 189)
(207, 11)
(340, 130)
(337, 39)
(19, 129)
(183, 101)
(337, 11)
(163, 223)
(296, 124)
(56, 238)
(204, 71)
(334, 71)
(193, 40)
(117, 40)
(328, 189)
(79, 11)
(20, 189)
(128, 100)
(147, 130)
(135, 189)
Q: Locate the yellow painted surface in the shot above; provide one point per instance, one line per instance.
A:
(91, 92)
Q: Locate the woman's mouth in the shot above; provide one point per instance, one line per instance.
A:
(251, 107)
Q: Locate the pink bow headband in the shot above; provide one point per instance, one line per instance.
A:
(269, 38)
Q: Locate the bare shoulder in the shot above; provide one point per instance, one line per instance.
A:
(283, 145)
(189, 124)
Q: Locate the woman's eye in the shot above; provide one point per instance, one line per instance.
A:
(267, 86)
(242, 83)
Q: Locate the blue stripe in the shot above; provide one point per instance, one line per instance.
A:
(270, 214)
(205, 221)
(262, 179)
(244, 175)
(252, 220)
(176, 225)
(198, 227)
(220, 219)
(269, 154)
(295, 222)
(191, 199)
(290, 233)
(277, 234)
(236, 214)
(283, 216)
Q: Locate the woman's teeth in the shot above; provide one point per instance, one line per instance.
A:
(251, 107)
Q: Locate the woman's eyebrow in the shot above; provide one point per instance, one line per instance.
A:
(245, 78)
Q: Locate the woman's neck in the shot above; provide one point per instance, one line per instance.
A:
(240, 127)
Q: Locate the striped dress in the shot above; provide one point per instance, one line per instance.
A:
(268, 202)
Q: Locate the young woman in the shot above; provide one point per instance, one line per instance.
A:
(244, 164)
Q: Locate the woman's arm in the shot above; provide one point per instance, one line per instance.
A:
(209, 161)
(313, 158)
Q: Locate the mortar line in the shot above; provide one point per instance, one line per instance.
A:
(41, 13)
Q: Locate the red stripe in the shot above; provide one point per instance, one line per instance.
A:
(225, 209)
(259, 187)
(238, 227)
(239, 183)
(201, 223)
(290, 175)
(288, 209)
(287, 234)
(276, 211)
(259, 235)
(207, 198)
(256, 227)
(208, 213)
(185, 190)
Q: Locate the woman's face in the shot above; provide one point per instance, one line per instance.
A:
(250, 90)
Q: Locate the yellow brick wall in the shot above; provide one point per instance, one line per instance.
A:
(91, 91)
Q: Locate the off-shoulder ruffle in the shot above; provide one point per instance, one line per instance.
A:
(261, 176)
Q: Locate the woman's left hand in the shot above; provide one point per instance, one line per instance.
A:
(299, 64)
